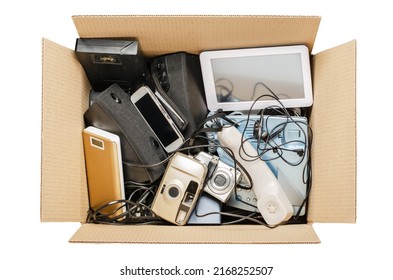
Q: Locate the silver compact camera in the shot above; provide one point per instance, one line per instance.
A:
(179, 189)
(222, 178)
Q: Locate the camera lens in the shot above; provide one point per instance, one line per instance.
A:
(220, 183)
(173, 191)
(220, 180)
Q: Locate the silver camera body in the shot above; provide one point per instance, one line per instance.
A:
(222, 177)
(179, 189)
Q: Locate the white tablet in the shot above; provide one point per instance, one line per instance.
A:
(234, 79)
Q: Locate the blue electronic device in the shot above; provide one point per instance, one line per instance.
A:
(282, 142)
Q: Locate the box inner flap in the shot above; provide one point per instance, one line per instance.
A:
(333, 195)
(64, 100)
(251, 234)
(167, 34)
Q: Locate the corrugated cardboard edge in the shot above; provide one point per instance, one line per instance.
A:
(160, 34)
(334, 151)
(63, 179)
(229, 234)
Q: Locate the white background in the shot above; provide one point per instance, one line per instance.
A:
(35, 250)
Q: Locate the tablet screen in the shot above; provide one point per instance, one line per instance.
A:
(234, 79)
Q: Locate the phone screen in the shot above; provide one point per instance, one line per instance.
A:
(156, 120)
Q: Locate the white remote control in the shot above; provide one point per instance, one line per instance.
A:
(272, 201)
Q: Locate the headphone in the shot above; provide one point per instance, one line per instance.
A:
(259, 134)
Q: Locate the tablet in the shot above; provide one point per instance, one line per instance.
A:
(235, 78)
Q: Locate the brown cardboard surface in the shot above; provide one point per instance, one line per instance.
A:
(333, 196)
(247, 234)
(166, 34)
(64, 99)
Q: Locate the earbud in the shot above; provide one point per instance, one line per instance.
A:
(257, 131)
(259, 134)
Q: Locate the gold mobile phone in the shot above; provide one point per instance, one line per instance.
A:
(104, 169)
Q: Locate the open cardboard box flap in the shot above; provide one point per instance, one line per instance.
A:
(65, 91)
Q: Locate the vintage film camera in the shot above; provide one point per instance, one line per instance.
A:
(179, 189)
(222, 178)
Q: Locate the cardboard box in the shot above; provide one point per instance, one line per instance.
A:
(333, 121)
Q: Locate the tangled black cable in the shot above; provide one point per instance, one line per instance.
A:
(136, 208)
(124, 213)
(279, 149)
